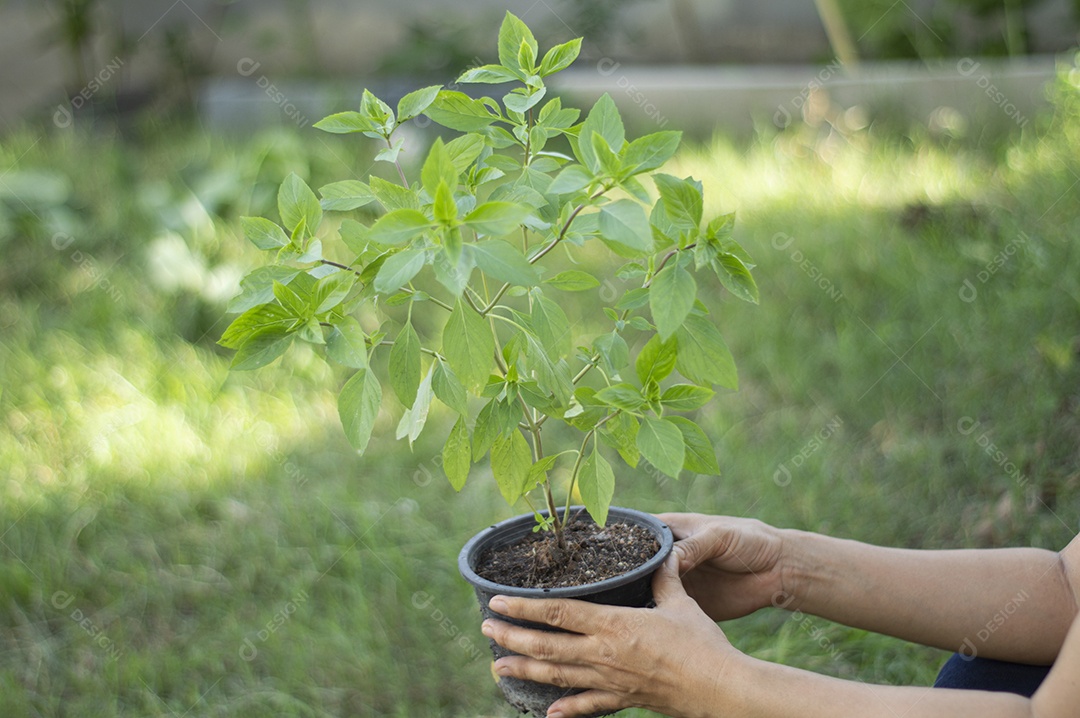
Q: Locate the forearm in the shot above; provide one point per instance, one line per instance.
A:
(750, 688)
(757, 689)
(1009, 604)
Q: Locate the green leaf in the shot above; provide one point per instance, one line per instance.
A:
(454, 275)
(393, 196)
(571, 179)
(438, 167)
(621, 396)
(610, 164)
(621, 432)
(398, 270)
(331, 290)
(522, 102)
(260, 348)
(686, 397)
(682, 200)
(623, 226)
(573, 280)
(464, 150)
(596, 482)
(460, 112)
(603, 119)
(703, 357)
(560, 57)
(656, 360)
(378, 112)
(469, 345)
(633, 299)
(404, 365)
(614, 354)
(671, 297)
(510, 464)
(496, 219)
(651, 151)
(538, 472)
(345, 195)
(358, 407)
(345, 122)
(551, 375)
(456, 455)
(735, 277)
(398, 227)
(552, 327)
(527, 57)
(347, 344)
(449, 389)
(413, 420)
(700, 455)
(489, 426)
(416, 102)
(487, 74)
(498, 259)
(264, 316)
(297, 202)
(258, 287)
(263, 233)
(661, 443)
(512, 34)
(444, 208)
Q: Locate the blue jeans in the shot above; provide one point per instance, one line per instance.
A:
(986, 674)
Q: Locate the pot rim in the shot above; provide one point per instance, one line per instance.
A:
(472, 548)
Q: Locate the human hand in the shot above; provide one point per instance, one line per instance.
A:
(730, 566)
(669, 659)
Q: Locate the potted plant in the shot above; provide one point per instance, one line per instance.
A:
(461, 283)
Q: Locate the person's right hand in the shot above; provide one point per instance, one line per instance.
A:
(730, 566)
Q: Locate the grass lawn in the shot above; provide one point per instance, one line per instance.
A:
(178, 540)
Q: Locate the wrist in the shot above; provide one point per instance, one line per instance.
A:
(799, 568)
(734, 686)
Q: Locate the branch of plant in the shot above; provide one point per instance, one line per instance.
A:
(401, 172)
(540, 255)
(346, 267)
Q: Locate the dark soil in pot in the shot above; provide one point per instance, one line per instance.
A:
(510, 559)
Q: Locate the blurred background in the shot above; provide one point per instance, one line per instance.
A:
(179, 540)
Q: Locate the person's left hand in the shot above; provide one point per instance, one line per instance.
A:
(669, 659)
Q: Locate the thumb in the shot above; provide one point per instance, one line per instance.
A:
(666, 584)
(694, 550)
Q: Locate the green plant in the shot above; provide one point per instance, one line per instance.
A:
(471, 243)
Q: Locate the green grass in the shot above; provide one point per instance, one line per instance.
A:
(180, 510)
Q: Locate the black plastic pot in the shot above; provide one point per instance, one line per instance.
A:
(633, 589)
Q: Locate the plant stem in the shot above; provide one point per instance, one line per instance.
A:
(576, 469)
(432, 299)
(540, 255)
(401, 172)
(339, 266)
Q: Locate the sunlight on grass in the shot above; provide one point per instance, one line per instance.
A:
(233, 556)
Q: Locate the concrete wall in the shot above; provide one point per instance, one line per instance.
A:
(352, 39)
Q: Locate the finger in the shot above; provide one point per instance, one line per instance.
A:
(681, 525)
(695, 550)
(564, 613)
(561, 675)
(541, 645)
(587, 703)
(666, 584)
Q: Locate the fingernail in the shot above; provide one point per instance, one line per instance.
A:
(555, 714)
(487, 629)
(502, 670)
(498, 604)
